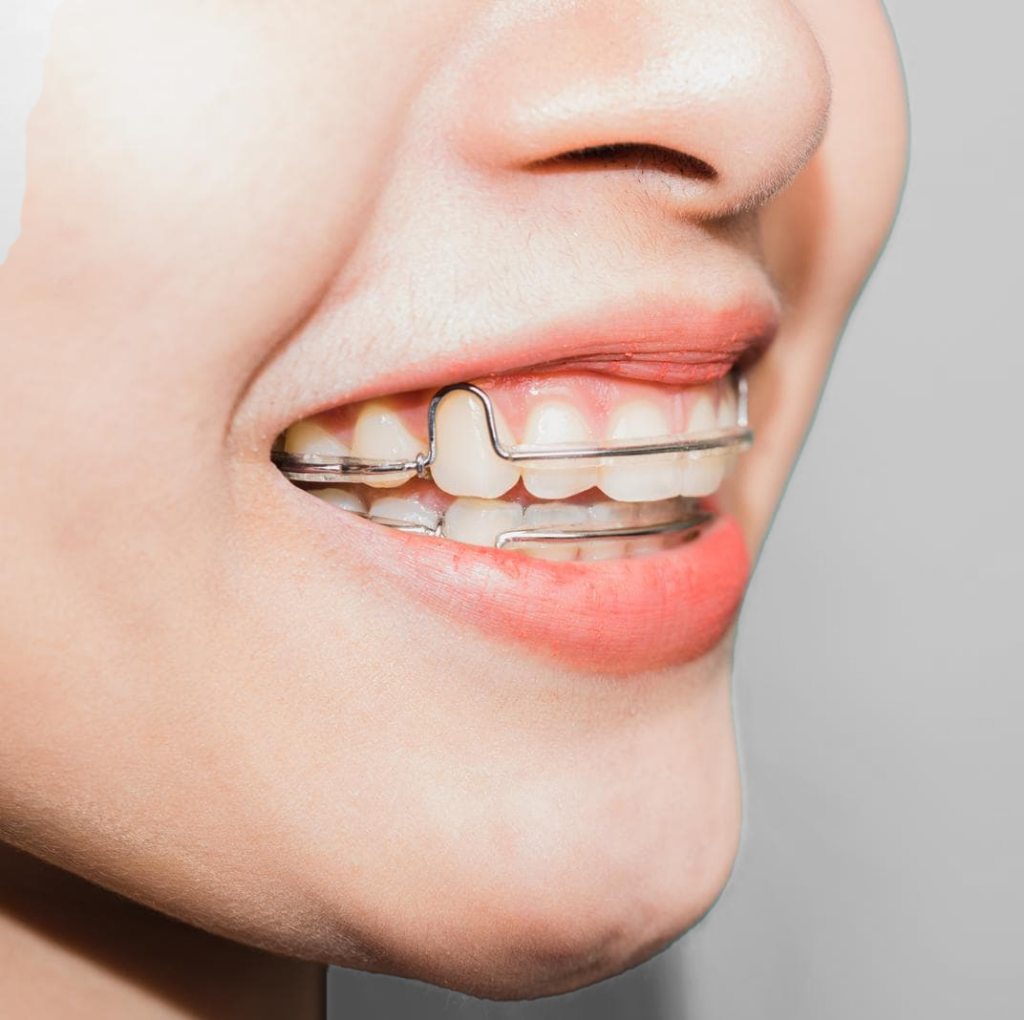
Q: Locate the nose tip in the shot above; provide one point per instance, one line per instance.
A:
(733, 94)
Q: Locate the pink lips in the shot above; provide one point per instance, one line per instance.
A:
(677, 347)
(616, 616)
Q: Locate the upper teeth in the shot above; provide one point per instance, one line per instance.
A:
(466, 464)
(381, 435)
(306, 437)
(552, 422)
(641, 478)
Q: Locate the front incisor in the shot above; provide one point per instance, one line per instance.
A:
(551, 423)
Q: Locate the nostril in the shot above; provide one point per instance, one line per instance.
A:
(630, 156)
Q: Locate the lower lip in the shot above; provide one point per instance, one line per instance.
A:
(614, 616)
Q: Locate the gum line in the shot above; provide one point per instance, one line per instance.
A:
(593, 395)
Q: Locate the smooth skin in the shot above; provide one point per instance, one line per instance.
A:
(270, 760)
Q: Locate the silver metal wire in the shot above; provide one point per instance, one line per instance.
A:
(691, 520)
(320, 469)
(525, 536)
(316, 470)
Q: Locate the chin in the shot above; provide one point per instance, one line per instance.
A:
(542, 892)
(555, 928)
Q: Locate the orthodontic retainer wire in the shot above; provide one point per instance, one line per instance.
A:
(317, 469)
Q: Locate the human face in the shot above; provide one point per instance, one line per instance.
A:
(238, 703)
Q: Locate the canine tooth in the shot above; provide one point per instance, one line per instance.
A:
(380, 435)
(646, 515)
(343, 499)
(612, 514)
(409, 510)
(637, 479)
(607, 515)
(658, 512)
(481, 521)
(306, 438)
(702, 416)
(554, 515)
(466, 464)
(701, 474)
(727, 408)
(552, 422)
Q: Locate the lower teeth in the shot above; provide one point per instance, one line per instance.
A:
(545, 530)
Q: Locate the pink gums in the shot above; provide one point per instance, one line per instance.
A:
(594, 395)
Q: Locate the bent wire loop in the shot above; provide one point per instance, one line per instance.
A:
(320, 470)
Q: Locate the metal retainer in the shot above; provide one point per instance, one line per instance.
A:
(320, 470)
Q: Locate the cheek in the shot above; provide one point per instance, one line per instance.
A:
(185, 205)
(191, 188)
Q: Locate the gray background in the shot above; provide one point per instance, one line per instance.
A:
(878, 684)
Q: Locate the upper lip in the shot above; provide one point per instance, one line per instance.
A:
(677, 344)
(672, 341)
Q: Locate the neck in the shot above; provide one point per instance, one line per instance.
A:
(70, 948)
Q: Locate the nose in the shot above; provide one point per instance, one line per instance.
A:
(729, 97)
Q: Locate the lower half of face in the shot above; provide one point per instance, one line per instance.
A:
(301, 646)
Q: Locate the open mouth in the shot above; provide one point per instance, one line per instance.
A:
(560, 466)
(570, 498)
